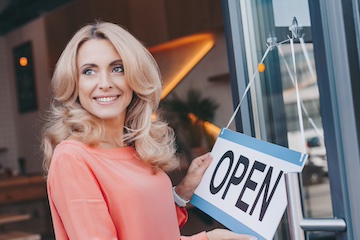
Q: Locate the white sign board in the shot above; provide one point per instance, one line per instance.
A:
(244, 186)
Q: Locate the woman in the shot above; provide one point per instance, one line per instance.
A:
(105, 155)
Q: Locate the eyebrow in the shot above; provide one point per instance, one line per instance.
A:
(115, 62)
(119, 61)
(88, 65)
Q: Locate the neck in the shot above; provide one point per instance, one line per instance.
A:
(114, 135)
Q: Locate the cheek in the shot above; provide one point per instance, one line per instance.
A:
(129, 97)
(83, 92)
(127, 91)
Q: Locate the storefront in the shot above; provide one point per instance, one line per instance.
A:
(300, 61)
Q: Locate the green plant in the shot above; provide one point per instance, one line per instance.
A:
(187, 118)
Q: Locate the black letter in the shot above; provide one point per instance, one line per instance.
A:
(229, 154)
(265, 203)
(249, 184)
(234, 180)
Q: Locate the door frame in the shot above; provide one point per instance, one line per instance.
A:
(337, 80)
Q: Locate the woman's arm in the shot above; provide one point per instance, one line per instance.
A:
(196, 170)
(199, 236)
(186, 189)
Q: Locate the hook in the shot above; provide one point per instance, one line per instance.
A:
(294, 28)
(272, 42)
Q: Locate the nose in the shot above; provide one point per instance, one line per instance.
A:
(105, 82)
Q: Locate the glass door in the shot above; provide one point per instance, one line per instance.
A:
(274, 70)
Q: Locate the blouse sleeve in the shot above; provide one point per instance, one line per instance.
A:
(78, 200)
(182, 215)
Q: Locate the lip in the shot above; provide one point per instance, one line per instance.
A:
(106, 99)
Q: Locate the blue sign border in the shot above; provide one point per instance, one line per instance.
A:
(274, 150)
(224, 218)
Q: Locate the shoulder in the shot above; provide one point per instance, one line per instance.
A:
(70, 147)
(70, 150)
(69, 155)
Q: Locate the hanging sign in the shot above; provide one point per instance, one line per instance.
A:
(244, 186)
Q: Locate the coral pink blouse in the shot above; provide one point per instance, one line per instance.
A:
(110, 194)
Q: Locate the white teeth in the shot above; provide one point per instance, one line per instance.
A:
(106, 99)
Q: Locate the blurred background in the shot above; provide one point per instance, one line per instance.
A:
(186, 38)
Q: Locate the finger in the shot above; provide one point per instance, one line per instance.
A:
(205, 156)
(248, 237)
(202, 158)
(205, 163)
(244, 237)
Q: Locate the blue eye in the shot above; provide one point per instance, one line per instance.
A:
(88, 71)
(119, 69)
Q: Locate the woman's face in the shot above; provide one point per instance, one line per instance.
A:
(103, 89)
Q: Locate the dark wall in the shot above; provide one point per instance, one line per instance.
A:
(152, 22)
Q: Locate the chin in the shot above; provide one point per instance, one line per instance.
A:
(108, 116)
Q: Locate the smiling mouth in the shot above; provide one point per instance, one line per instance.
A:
(106, 99)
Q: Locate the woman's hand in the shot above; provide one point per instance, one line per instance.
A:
(223, 234)
(196, 170)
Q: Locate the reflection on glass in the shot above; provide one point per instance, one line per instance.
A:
(316, 193)
(274, 101)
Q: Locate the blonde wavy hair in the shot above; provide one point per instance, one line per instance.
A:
(152, 139)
